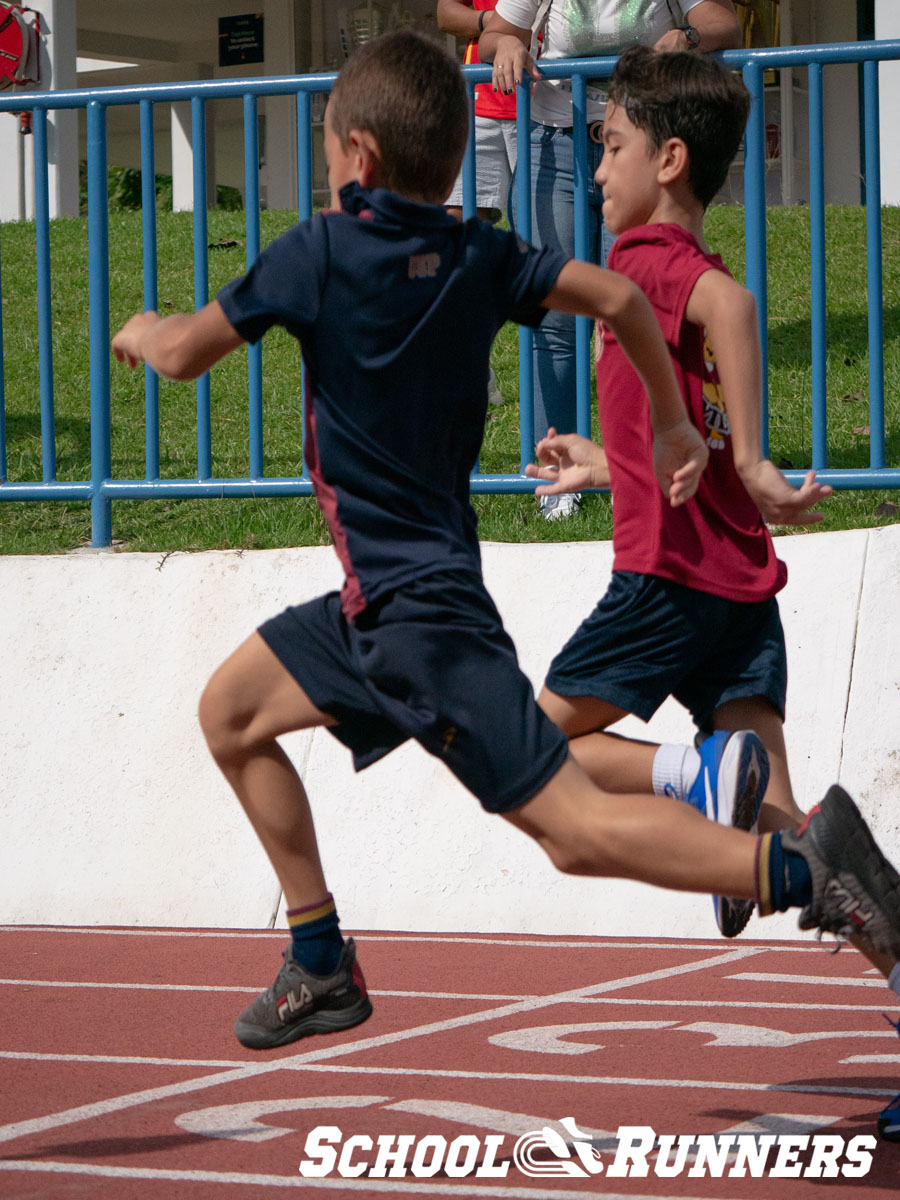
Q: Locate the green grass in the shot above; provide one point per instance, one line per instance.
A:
(160, 525)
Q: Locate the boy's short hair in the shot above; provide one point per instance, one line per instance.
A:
(409, 94)
(685, 95)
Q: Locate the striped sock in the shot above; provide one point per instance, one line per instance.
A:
(783, 880)
(316, 936)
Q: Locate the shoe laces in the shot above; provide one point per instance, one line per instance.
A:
(842, 937)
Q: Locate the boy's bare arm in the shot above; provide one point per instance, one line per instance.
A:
(679, 452)
(728, 313)
(182, 346)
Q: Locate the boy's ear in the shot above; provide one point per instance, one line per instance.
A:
(366, 157)
(674, 161)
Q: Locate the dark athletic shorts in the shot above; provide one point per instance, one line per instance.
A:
(432, 662)
(649, 638)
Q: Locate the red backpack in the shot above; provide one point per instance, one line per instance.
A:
(19, 45)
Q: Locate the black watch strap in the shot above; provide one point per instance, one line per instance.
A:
(692, 35)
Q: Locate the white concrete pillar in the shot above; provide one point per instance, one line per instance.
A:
(58, 50)
(57, 66)
(17, 176)
(278, 178)
(887, 27)
(183, 150)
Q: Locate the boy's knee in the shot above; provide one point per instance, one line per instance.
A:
(217, 721)
(575, 854)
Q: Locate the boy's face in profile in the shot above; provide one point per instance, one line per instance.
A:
(628, 174)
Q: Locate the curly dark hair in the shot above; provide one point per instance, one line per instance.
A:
(685, 95)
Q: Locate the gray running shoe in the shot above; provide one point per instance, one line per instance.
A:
(299, 1003)
(855, 890)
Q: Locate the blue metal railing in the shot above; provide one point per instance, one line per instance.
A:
(102, 488)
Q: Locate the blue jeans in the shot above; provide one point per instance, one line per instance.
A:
(553, 224)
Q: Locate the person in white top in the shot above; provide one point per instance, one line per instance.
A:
(579, 29)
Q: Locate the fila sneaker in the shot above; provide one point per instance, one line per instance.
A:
(729, 788)
(299, 1003)
(855, 890)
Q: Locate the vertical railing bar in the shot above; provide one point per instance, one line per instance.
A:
(304, 155)
(304, 212)
(818, 313)
(251, 225)
(523, 228)
(582, 324)
(98, 323)
(468, 166)
(201, 277)
(875, 285)
(151, 299)
(755, 223)
(45, 313)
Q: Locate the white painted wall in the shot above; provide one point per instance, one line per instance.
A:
(114, 814)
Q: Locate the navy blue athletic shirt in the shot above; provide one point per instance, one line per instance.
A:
(395, 305)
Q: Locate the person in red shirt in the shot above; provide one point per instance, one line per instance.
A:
(495, 115)
(691, 609)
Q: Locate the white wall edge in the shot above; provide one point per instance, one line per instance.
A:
(114, 814)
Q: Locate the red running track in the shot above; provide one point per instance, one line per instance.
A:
(120, 1078)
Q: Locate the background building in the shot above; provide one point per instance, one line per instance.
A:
(96, 43)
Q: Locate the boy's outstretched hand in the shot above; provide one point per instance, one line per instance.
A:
(127, 343)
(572, 462)
(679, 457)
(778, 501)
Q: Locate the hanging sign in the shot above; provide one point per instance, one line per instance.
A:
(241, 40)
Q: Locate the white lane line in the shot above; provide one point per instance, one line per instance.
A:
(548, 942)
(404, 1187)
(813, 980)
(749, 1004)
(85, 1112)
(248, 991)
(725, 1085)
(124, 1059)
(483, 1076)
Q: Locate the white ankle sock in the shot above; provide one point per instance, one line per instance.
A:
(674, 770)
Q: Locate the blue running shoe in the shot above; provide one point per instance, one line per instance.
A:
(729, 788)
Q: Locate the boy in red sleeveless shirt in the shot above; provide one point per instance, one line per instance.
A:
(691, 609)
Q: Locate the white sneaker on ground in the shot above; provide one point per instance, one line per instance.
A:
(560, 506)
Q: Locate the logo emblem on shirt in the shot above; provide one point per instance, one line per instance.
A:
(424, 266)
(714, 416)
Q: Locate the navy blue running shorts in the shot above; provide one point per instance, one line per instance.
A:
(432, 662)
(650, 638)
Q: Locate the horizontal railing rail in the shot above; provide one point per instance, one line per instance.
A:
(102, 487)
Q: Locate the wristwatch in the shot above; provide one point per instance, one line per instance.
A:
(692, 35)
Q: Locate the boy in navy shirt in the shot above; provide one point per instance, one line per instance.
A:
(385, 295)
